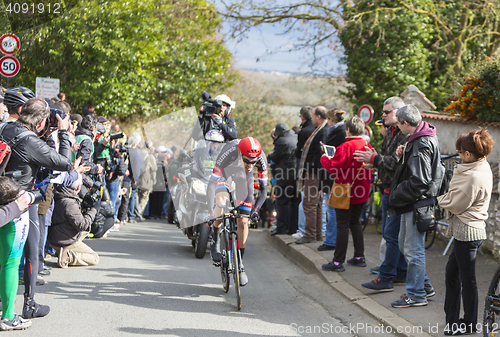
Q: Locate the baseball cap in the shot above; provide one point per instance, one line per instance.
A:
(102, 119)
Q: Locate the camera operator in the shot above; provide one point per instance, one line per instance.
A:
(70, 225)
(29, 154)
(215, 120)
(14, 201)
(85, 135)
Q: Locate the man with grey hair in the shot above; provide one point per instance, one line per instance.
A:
(393, 267)
(70, 225)
(416, 184)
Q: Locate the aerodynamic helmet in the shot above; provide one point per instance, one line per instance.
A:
(17, 96)
(250, 147)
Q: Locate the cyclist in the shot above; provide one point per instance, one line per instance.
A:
(235, 164)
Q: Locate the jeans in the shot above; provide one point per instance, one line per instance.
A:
(302, 216)
(113, 188)
(411, 244)
(166, 203)
(323, 208)
(461, 278)
(394, 264)
(131, 205)
(331, 227)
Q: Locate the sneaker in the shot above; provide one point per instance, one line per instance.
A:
(114, 228)
(324, 247)
(429, 291)
(406, 302)
(31, 309)
(17, 323)
(215, 252)
(303, 240)
(375, 270)
(132, 221)
(40, 281)
(357, 261)
(458, 331)
(297, 235)
(379, 285)
(331, 266)
(243, 276)
(64, 258)
(44, 273)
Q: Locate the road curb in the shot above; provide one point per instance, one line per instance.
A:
(310, 261)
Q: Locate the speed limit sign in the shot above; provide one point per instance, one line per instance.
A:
(9, 44)
(9, 66)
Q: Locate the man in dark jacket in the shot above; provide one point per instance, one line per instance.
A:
(70, 226)
(309, 168)
(394, 265)
(306, 129)
(29, 155)
(416, 183)
(285, 172)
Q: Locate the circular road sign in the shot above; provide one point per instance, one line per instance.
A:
(366, 113)
(368, 131)
(9, 44)
(9, 66)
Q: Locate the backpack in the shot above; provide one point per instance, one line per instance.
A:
(6, 147)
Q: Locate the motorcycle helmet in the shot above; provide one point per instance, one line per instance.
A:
(17, 96)
(250, 147)
(214, 136)
(230, 104)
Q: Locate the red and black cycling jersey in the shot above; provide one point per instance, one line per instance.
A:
(229, 166)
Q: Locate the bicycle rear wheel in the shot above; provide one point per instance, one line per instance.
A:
(224, 263)
(491, 320)
(236, 269)
(430, 236)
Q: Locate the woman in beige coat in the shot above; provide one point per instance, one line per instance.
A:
(466, 205)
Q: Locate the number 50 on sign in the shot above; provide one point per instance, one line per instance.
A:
(9, 66)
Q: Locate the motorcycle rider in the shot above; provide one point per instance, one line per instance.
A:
(220, 126)
(235, 163)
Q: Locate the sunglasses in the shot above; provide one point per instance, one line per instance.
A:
(387, 111)
(250, 162)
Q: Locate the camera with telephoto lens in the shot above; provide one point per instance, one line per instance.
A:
(54, 110)
(209, 105)
(93, 195)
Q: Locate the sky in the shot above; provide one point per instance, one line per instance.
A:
(253, 51)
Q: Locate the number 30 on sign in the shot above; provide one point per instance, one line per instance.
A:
(9, 66)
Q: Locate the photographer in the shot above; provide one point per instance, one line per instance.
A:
(70, 225)
(14, 202)
(85, 135)
(215, 121)
(29, 155)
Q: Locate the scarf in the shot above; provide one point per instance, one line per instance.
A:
(305, 150)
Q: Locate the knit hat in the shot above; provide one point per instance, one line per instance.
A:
(281, 128)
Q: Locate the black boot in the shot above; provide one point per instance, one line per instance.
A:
(31, 309)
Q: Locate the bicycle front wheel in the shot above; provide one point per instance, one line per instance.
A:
(236, 269)
(224, 263)
(491, 320)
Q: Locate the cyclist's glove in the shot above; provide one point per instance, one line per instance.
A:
(255, 217)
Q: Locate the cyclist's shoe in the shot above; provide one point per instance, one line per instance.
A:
(243, 276)
(215, 252)
(17, 323)
(31, 309)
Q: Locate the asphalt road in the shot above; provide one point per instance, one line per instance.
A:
(148, 282)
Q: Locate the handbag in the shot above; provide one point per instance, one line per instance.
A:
(424, 218)
(340, 194)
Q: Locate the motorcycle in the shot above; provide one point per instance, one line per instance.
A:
(190, 195)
